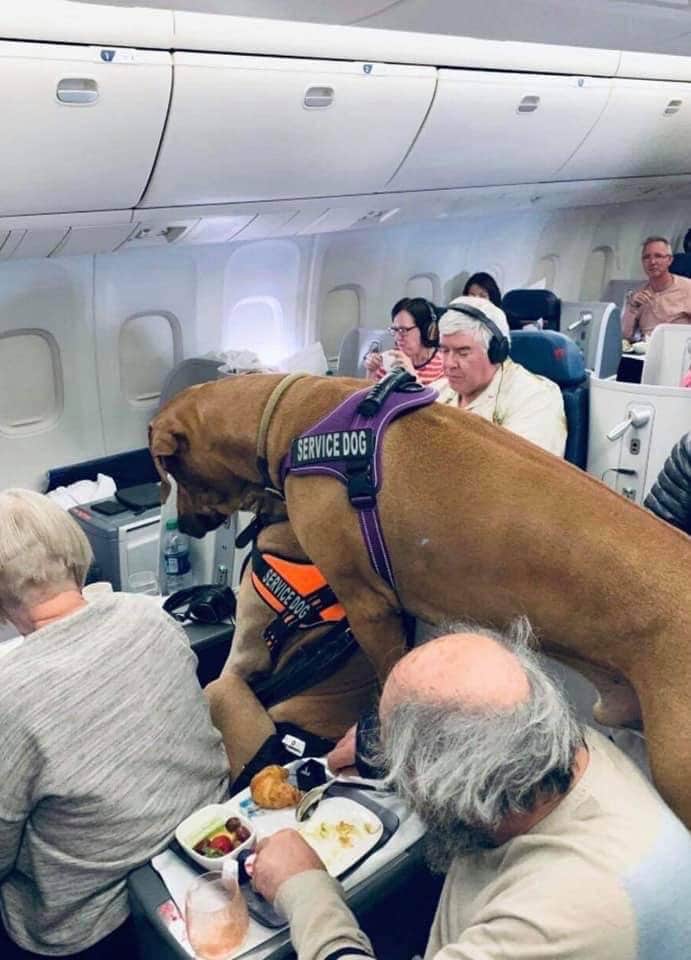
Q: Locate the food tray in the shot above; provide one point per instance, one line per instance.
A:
(259, 908)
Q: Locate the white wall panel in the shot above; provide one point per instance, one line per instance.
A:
(147, 299)
(49, 302)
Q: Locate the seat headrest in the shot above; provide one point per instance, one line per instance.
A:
(681, 264)
(549, 354)
(529, 306)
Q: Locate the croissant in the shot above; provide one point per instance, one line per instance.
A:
(270, 789)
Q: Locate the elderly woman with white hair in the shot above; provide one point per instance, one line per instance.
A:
(107, 741)
(479, 376)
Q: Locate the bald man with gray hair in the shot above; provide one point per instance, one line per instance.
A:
(479, 376)
(553, 844)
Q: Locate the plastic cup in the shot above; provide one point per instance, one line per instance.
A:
(145, 581)
(216, 916)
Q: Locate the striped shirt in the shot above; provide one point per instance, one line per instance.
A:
(107, 746)
(427, 372)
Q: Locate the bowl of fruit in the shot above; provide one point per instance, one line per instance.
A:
(214, 832)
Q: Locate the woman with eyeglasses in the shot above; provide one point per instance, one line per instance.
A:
(416, 343)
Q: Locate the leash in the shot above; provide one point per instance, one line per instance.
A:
(263, 433)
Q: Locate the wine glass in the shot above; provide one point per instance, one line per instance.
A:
(215, 916)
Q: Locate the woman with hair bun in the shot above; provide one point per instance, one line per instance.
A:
(416, 342)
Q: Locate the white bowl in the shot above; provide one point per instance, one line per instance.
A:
(203, 821)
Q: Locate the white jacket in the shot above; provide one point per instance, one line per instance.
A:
(521, 401)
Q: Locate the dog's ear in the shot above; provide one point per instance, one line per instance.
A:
(162, 443)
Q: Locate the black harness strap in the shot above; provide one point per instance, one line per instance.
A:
(309, 665)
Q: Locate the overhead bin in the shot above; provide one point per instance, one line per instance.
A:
(488, 128)
(81, 126)
(264, 128)
(645, 130)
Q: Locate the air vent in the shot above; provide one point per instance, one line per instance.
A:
(674, 106)
(158, 235)
(377, 216)
(528, 104)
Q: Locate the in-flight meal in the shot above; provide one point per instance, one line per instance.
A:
(340, 842)
(222, 839)
(270, 789)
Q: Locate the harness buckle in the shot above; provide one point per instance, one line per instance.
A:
(361, 490)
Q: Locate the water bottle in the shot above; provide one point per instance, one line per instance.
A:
(176, 558)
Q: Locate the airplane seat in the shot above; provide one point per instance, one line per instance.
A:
(532, 306)
(668, 357)
(632, 428)
(188, 373)
(595, 328)
(551, 354)
(355, 346)
(681, 264)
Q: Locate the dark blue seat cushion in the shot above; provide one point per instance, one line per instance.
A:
(681, 264)
(555, 356)
(529, 306)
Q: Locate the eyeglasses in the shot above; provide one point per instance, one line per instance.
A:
(656, 256)
(401, 331)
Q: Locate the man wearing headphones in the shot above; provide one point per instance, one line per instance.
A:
(479, 376)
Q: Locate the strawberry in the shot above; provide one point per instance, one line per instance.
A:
(222, 844)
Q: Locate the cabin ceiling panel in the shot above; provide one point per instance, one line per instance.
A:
(659, 26)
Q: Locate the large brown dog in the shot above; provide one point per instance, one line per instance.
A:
(326, 709)
(479, 524)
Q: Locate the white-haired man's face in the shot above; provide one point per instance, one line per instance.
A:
(466, 364)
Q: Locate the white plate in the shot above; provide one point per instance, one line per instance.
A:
(341, 831)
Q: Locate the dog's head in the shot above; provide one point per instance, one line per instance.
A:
(199, 451)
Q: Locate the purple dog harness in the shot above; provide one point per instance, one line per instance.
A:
(346, 444)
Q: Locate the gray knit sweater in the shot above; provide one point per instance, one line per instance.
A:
(106, 746)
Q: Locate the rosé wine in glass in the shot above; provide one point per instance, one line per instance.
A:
(215, 916)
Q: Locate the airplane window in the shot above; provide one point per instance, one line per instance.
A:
(256, 323)
(31, 375)
(546, 270)
(454, 287)
(148, 351)
(424, 285)
(596, 273)
(342, 312)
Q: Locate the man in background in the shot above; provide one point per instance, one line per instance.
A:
(665, 298)
(482, 378)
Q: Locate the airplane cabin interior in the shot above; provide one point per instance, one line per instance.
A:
(188, 183)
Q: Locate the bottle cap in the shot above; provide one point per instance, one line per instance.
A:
(172, 523)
